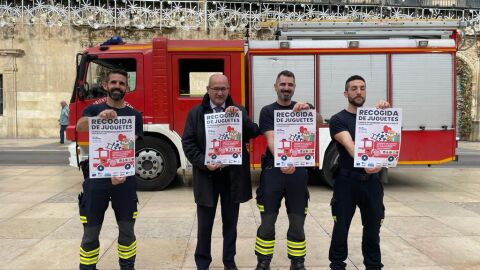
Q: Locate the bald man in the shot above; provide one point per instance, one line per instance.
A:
(231, 183)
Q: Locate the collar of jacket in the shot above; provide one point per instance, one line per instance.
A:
(206, 102)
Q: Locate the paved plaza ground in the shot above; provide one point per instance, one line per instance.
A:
(432, 223)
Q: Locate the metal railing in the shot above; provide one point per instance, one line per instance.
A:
(396, 3)
(434, 3)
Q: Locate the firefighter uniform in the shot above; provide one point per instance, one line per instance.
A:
(274, 186)
(354, 187)
(94, 200)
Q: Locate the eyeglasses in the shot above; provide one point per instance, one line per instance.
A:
(218, 89)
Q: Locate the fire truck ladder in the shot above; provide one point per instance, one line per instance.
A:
(368, 30)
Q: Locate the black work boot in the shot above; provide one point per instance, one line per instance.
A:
(263, 265)
(297, 265)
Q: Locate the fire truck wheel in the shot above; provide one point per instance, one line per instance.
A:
(330, 164)
(364, 157)
(214, 156)
(156, 164)
(100, 168)
(391, 158)
(284, 157)
(127, 166)
(308, 157)
(235, 155)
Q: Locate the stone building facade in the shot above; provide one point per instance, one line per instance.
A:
(37, 71)
(37, 68)
(471, 60)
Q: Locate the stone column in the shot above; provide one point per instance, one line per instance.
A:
(8, 69)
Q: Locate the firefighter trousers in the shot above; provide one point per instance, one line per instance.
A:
(352, 189)
(93, 202)
(274, 186)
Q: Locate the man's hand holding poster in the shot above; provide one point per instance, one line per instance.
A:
(294, 134)
(377, 137)
(111, 146)
(223, 133)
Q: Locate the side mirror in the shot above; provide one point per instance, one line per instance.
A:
(82, 90)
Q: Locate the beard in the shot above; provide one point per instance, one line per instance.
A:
(116, 94)
(356, 103)
(285, 95)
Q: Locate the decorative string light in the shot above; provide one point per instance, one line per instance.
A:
(193, 15)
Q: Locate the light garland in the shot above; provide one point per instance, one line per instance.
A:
(194, 15)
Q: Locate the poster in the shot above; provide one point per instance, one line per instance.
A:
(294, 135)
(111, 146)
(223, 133)
(377, 137)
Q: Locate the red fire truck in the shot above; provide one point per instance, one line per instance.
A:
(410, 64)
(296, 149)
(225, 147)
(113, 158)
(371, 148)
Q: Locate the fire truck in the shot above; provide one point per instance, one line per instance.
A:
(380, 149)
(409, 63)
(113, 158)
(225, 147)
(296, 149)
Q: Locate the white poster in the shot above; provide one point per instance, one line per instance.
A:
(223, 133)
(294, 135)
(111, 146)
(377, 137)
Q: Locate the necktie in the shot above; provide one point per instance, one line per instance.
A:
(218, 109)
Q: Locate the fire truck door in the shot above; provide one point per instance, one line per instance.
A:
(190, 79)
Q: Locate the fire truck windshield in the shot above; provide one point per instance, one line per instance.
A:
(99, 67)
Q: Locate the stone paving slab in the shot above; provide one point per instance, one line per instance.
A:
(37, 143)
(432, 223)
(455, 251)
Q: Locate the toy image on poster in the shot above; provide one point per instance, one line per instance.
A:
(223, 133)
(111, 146)
(377, 137)
(294, 134)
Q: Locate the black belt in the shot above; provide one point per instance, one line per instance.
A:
(356, 175)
